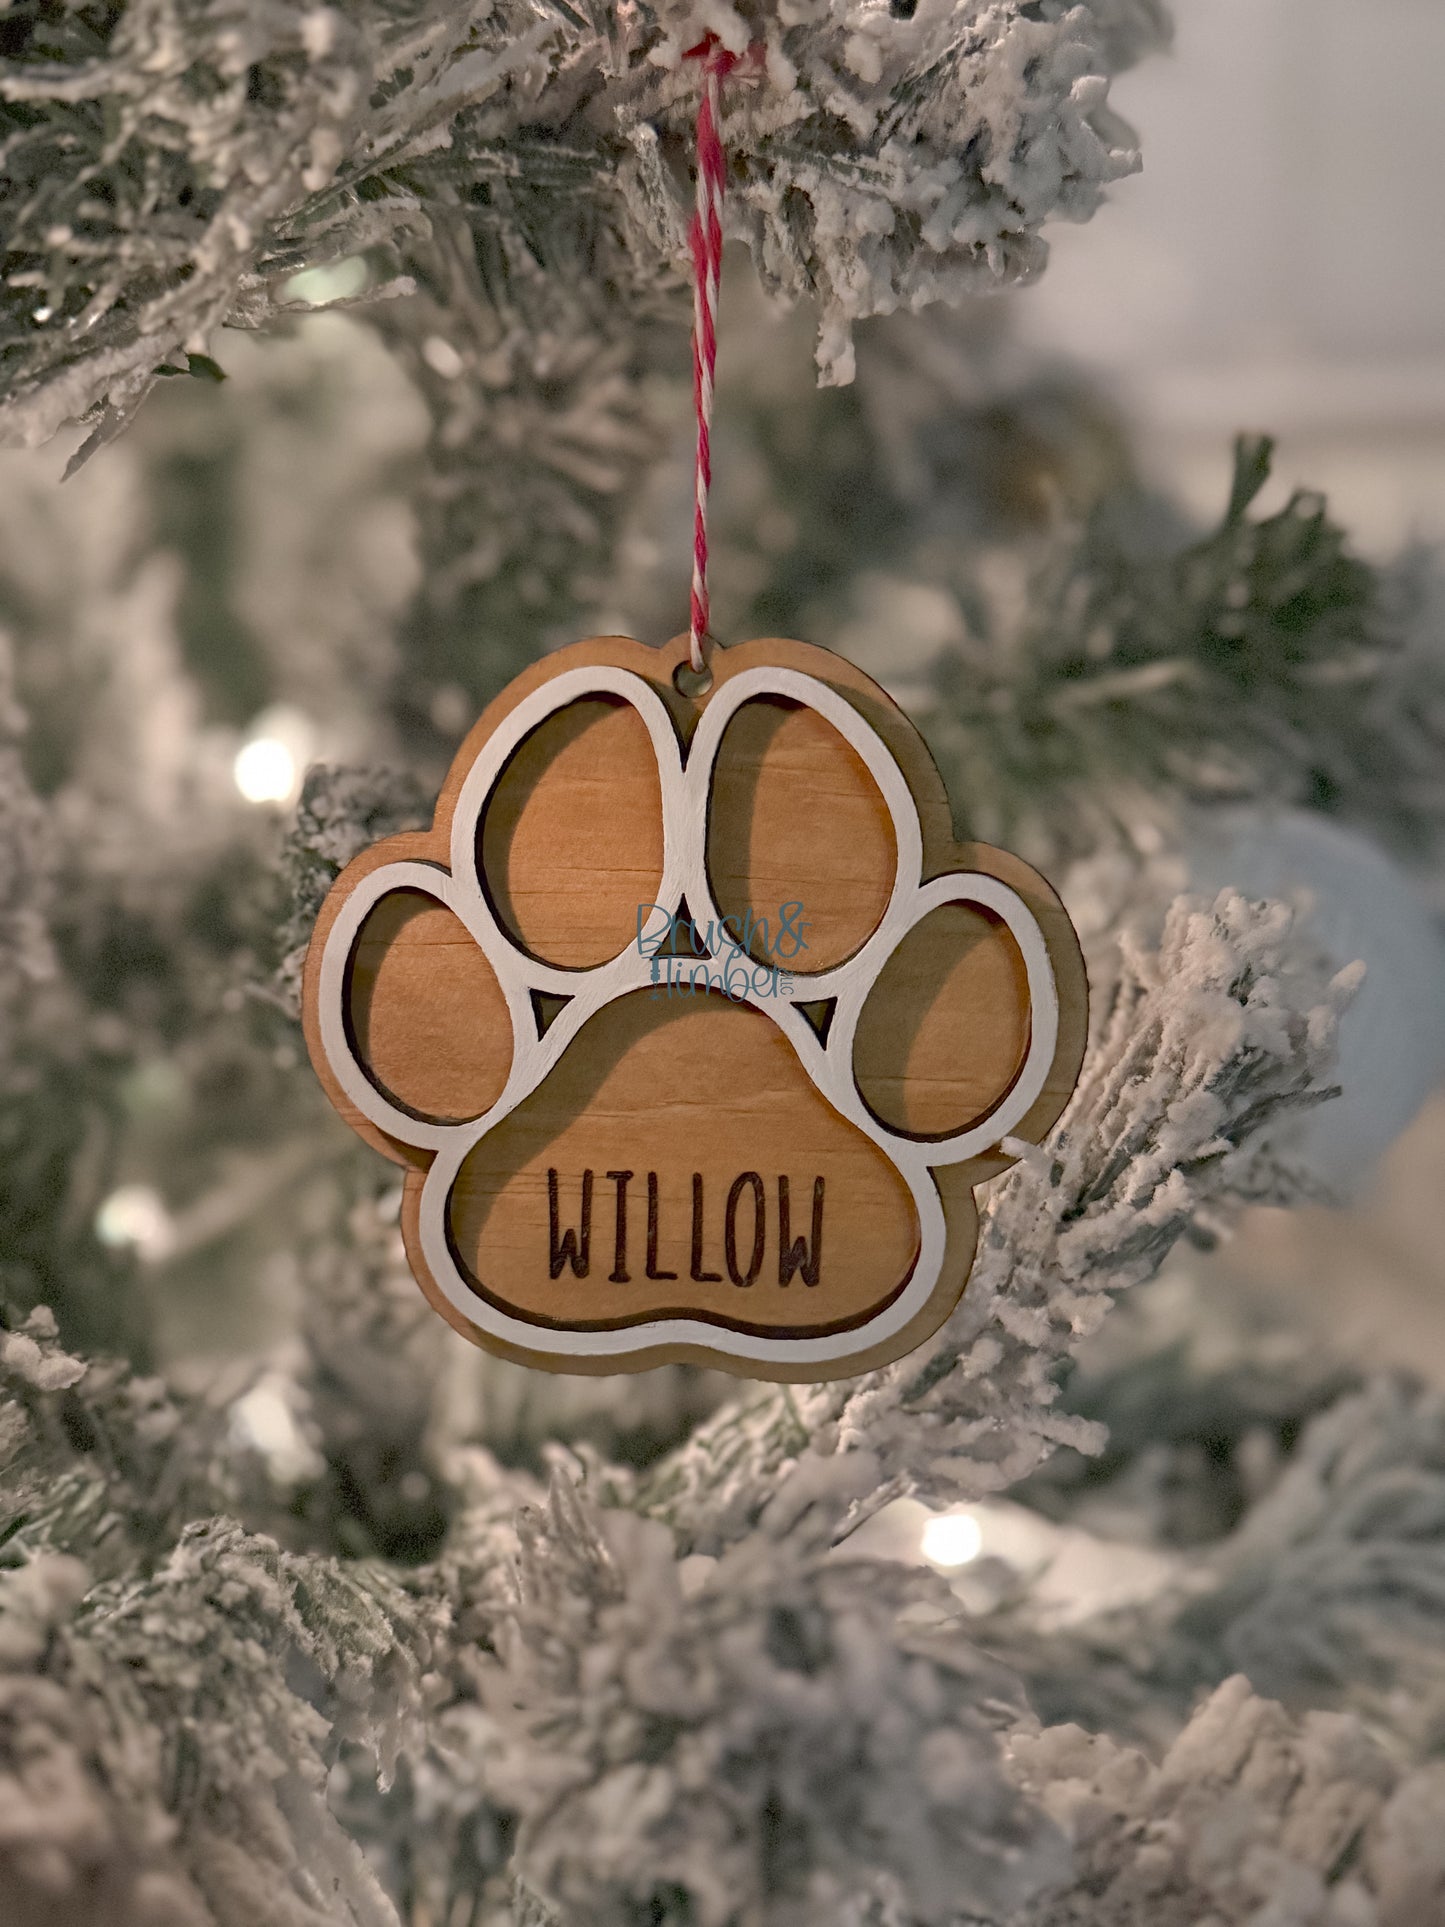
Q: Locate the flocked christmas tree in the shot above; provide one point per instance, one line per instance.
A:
(309, 1614)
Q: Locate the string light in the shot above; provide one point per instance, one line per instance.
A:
(134, 1217)
(951, 1539)
(265, 771)
(270, 763)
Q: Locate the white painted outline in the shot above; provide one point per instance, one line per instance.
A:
(685, 789)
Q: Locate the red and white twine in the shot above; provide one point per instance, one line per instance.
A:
(705, 238)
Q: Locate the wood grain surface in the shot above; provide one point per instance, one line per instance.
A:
(713, 1178)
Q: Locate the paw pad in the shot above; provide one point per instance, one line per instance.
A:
(693, 1023)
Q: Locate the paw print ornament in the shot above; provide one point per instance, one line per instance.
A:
(690, 1021)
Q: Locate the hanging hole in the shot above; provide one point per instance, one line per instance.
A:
(691, 682)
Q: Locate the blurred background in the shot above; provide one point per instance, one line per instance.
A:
(1279, 266)
(1278, 262)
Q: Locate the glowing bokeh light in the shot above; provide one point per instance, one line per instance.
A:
(952, 1539)
(279, 746)
(265, 771)
(134, 1217)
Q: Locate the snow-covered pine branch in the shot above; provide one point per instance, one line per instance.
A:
(1199, 1049)
(167, 169)
(519, 173)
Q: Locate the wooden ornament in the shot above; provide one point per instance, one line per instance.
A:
(691, 1021)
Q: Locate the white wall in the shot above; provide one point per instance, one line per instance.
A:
(1281, 261)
